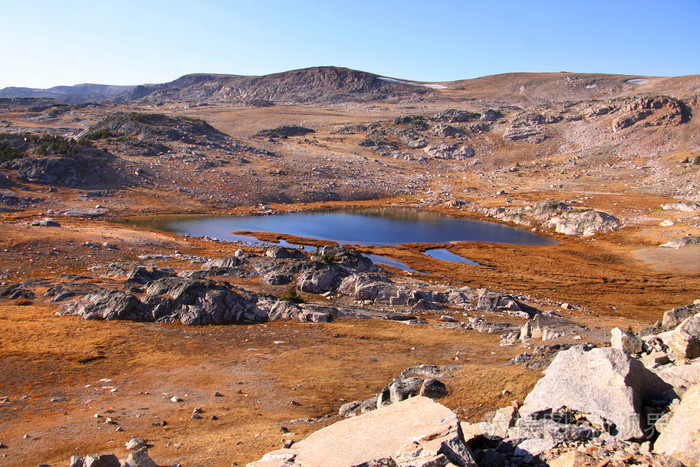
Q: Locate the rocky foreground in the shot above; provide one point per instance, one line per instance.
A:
(634, 403)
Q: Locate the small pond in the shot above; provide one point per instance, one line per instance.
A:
(386, 226)
(446, 255)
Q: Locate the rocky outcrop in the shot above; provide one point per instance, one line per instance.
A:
(284, 132)
(651, 111)
(172, 299)
(584, 223)
(456, 116)
(449, 152)
(534, 135)
(604, 382)
(86, 168)
(548, 328)
(415, 432)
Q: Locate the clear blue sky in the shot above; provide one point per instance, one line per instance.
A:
(52, 42)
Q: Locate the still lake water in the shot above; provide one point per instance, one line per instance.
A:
(379, 227)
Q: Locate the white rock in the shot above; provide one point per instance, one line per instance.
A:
(680, 438)
(417, 431)
(604, 382)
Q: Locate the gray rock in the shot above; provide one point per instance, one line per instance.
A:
(525, 134)
(317, 281)
(139, 458)
(625, 341)
(417, 432)
(76, 461)
(227, 262)
(489, 300)
(604, 382)
(680, 438)
(45, 222)
(105, 460)
(402, 388)
(446, 151)
(274, 278)
(280, 252)
(433, 388)
(135, 443)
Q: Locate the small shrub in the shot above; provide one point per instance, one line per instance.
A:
(98, 134)
(7, 152)
(136, 116)
(330, 257)
(291, 295)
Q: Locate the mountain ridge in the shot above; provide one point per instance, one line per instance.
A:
(330, 84)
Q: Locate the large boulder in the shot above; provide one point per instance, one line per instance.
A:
(415, 432)
(584, 223)
(680, 438)
(604, 382)
(684, 341)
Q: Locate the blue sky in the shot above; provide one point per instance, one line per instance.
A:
(48, 43)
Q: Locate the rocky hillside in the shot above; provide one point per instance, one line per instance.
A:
(309, 85)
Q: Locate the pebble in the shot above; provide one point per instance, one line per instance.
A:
(196, 416)
(218, 394)
(175, 399)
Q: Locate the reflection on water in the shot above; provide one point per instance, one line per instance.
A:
(383, 226)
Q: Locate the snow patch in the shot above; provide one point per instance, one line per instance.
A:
(637, 80)
(413, 83)
(591, 86)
